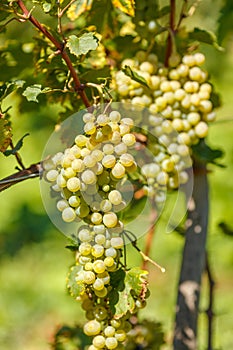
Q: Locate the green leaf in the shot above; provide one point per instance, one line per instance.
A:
(205, 36)
(225, 21)
(5, 133)
(19, 145)
(126, 6)
(206, 154)
(73, 286)
(83, 44)
(127, 287)
(32, 92)
(162, 12)
(8, 87)
(79, 7)
(135, 76)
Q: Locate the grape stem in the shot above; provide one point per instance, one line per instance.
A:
(60, 46)
(32, 171)
(132, 238)
(171, 31)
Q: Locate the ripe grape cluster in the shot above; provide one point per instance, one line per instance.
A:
(85, 177)
(179, 109)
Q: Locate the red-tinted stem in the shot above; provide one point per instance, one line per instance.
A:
(60, 47)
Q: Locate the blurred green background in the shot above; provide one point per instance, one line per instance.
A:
(34, 261)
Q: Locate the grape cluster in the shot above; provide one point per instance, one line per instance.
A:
(179, 108)
(87, 173)
(85, 178)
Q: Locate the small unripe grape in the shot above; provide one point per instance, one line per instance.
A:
(177, 124)
(105, 205)
(109, 331)
(84, 235)
(82, 211)
(193, 118)
(89, 128)
(89, 277)
(118, 171)
(120, 335)
(100, 313)
(115, 116)
(85, 248)
(195, 73)
(115, 197)
(109, 161)
(162, 178)
(108, 148)
(92, 328)
(73, 184)
(102, 119)
(74, 201)
(167, 165)
(183, 150)
(189, 60)
(80, 140)
(129, 140)
(206, 87)
(77, 165)
(88, 117)
(183, 177)
(110, 220)
(99, 342)
(117, 242)
(61, 181)
(97, 250)
(183, 137)
(62, 204)
(52, 175)
(152, 26)
(206, 106)
(121, 148)
(111, 252)
(85, 152)
(179, 94)
(88, 177)
(99, 266)
(100, 239)
(68, 214)
(199, 58)
(174, 59)
(201, 129)
(98, 284)
(109, 261)
(111, 343)
(101, 293)
(96, 218)
(183, 70)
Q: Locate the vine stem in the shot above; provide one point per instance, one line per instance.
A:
(150, 236)
(60, 46)
(171, 31)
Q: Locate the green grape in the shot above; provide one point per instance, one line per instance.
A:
(92, 328)
(118, 171)
(106, 205)
(96, 218)
(109, 161)
(110, 219)
(62, 204)
(117, 242)
(97, 250)
(111, 343)
(99, 266)
(115, 197)
(85, 248)
(98, 284)
(101, 293)
(111, 252)
(120, 335)
(109, 331)
(100, 313)
(68, 214)
(99, 341)
(88, 177)
(100, 239)
(73, 184)
(89, 277)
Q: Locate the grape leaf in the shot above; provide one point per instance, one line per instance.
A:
(83, 44)
(32, 92)
(133, 75)
(17, 147)
(204, 36)
(206, 154)
(73, 286)
(7, 88)
(5, 133)
(127, 287)
(78, 7)
(126, 6)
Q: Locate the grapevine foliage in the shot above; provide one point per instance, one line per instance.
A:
(77, 58)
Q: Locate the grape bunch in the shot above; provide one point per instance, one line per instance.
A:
(86, 178)
(179, 108)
